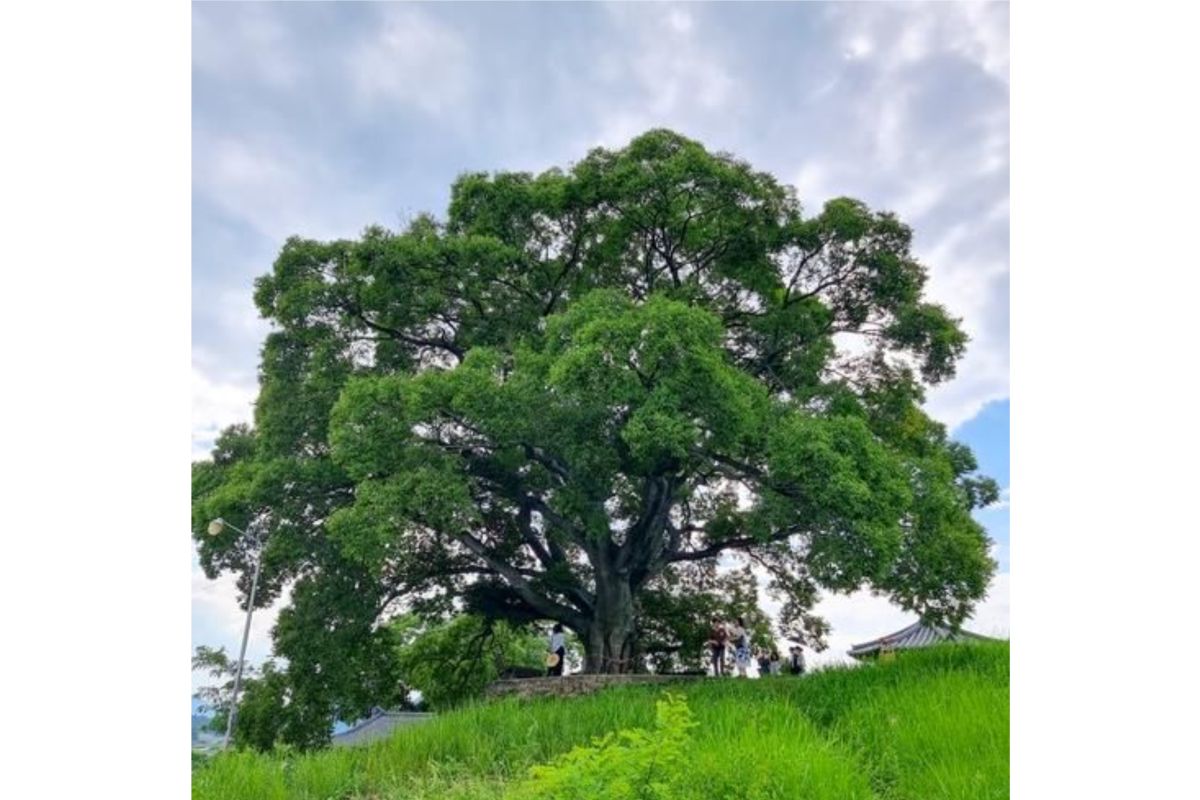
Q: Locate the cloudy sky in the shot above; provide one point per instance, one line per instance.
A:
(319, 119)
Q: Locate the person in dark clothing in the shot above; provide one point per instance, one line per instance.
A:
(716, 643)
(796, 661)
(764, 661)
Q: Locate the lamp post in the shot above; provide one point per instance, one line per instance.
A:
(214, 529)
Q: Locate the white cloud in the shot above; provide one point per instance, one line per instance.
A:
(921, 198)
(414, 60)
(983, 378)
(235, 311)
(904, 33)
(680, 20)
(887, 159)
(983, 36)
(992, 616)
(670, 74)
(970, 283)
(861, 616)
(253, 44)
(279, 189)
(216, 602)
(859, 46)
(1003, 502)
(971, 289)
(216, 405)
(218, 620)
(814, 186)
(998, 552)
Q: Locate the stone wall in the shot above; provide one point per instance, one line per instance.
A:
(570, 685)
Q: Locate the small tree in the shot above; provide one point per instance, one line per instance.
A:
(263, 715)
(453, 661)
(217, 697)
(273, 707)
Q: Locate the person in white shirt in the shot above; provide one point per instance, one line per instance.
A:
(558, 646)
(741, 646)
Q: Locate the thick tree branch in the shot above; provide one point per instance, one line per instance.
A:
(416, 341)
(645, 541)
(549, 461)
(735, 543)
(514, 578)
(550, 555)
(411, 583)
(568, 265)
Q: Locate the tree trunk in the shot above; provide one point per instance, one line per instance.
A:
(609, 643)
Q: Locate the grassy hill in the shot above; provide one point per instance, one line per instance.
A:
(932, 724)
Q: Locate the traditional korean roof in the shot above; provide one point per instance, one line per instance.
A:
(919, 634)
(379, 726)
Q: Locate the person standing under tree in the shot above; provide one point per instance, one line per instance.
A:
(764, 661)
(741, 646)
(716, 642)
(558, 651)
(796, 661)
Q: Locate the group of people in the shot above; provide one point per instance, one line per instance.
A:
(735, 640)
(724, 639)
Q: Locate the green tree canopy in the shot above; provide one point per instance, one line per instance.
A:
(263, 713)
(453, 661)
(573, 395)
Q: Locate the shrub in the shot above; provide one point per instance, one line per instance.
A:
(632, 764)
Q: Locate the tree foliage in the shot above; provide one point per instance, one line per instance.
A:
(570, 397)
(454, 661)
(265, 717)
(262, 717)
(630, 764)
(217, 697)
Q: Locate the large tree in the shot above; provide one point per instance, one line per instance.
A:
(575, 394)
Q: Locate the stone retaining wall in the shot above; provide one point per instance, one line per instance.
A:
(570, 685)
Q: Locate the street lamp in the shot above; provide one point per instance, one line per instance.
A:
(214, 529)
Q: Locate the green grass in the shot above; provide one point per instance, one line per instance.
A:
(932, 724)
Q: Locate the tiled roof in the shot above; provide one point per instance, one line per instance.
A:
(378, 727)
(919, 634)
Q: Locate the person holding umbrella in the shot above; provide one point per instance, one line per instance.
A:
(557, 655)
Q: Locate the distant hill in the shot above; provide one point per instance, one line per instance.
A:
(200, 735)
(200, 719)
